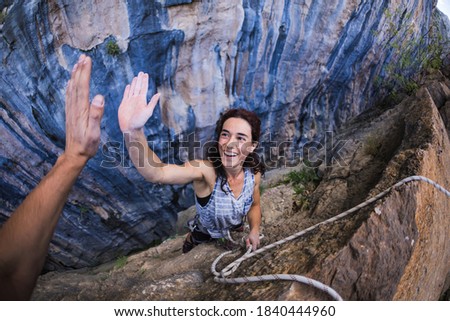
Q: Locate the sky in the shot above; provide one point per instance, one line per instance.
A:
(444, 6)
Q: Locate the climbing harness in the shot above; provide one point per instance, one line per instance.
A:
(221, 277)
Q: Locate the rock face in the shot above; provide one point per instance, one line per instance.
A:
(394, 249)
(305, 67)
(399, 250)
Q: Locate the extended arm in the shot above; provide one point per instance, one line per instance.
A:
(254, 216)
(25, 237)
(133, 114)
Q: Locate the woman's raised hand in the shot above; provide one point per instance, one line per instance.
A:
(134, 110)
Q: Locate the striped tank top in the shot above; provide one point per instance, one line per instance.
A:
(223, 211)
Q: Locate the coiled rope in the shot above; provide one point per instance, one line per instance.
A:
(221, 277)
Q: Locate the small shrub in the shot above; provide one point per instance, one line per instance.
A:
(121, 262)
(301, 178)
(112, 48)
(304, 182)
(411, 87)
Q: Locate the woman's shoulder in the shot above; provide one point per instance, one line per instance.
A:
(257, 177)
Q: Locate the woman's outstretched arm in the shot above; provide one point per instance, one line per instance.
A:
(134, 112)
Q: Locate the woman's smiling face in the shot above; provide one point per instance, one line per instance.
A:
(235, 142)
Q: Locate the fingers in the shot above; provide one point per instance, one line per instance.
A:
(78, 93)
(95, 116)
(71, 96)
(133, 86)
(252, 242)
(85, 77)
(68, 94)
(70, 89)
(151, 105)
(153, 101)
(137, 89)
(126, 92)
(139, 85)
(81, 75)
(255, 245)
(148, 112)
(144, 86)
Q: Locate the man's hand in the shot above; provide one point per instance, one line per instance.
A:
(134, 110)
(25, 237)
(82, 120)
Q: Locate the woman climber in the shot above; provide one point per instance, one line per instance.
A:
(226, 184)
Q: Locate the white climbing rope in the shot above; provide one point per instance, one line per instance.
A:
(221, 276)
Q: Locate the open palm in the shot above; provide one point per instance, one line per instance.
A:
(134, 110)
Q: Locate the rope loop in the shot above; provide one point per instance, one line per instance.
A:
(221, 277)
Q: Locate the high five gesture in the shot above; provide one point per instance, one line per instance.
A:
(134, 111)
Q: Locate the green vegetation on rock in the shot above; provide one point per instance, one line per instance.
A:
(112, 48)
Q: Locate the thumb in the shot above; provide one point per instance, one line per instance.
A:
(148, 112)
(95, 115)
(153, 101)
(247, 242)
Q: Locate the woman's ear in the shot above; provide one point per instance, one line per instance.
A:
(253, 147)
